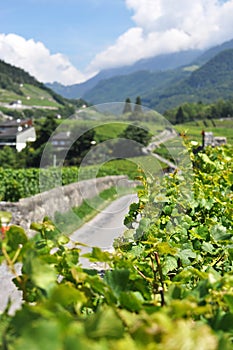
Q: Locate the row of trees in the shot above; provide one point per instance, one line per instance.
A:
(189, 111)
(129, 107)
(200, 111)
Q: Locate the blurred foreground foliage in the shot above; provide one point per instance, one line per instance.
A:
(168, 284)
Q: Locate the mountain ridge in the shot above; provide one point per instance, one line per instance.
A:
(210, 82)
(161, 62)
(158, 63)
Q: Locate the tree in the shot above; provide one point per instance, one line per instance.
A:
(138, 105)
(80, 148)
(45, 130)
(179, 116)
(136, 133)
(127, 107)
(8, 157)
(133, 138)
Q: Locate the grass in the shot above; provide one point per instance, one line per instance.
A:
(171, 149)
(32, 96)
(133, 167)
(219, 128)
(109, 127)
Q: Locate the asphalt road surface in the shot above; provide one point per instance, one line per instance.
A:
(99, 232)
(104, 227)
(8, 291)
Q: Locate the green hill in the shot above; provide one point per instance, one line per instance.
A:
(167, 89)
(16, 84)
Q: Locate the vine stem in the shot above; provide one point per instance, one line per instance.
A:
(161, 290)
(141, 274)
(10, 262)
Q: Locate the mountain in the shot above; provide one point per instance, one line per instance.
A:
(155, 64)
(164, 81)
(210, 82)
(116, 89)
(166, 61)
(208, 54)
(78, 90)
(166, 89)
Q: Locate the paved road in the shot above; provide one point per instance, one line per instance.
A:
(8, 290)
(105, 227)
(99, 232)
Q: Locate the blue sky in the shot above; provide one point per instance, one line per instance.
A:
(78, 29)
(71, 40)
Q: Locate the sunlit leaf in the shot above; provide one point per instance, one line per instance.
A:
(131, 301)
(169, 265)
(104, 323)
(117, 280)
(15, 236)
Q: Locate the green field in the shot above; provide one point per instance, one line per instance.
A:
(193, 129)
(32, 96)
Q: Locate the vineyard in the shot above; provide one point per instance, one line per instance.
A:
(168, 285)
(22, 183)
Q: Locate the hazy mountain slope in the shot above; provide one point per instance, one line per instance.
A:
(167, 61)
(117, 89)
(154, 64)
(207, 55)
(78, 90)
(206, 78)
(210, 82)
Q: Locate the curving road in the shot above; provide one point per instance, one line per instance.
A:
(104, 227)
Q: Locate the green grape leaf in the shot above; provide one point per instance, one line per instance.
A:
(170, 264)
(117, 280)
(165, 248)
(185, 255)
(66, 295)
(45, 335)
(43, 275)
(15, 236)
(219, 233)
(229, 300)
(98, 255)
(104, 323)
(131, 301)
(226, 322)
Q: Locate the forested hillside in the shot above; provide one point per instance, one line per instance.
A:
(212, 81)
(141, 82)
(167, 89)
(12, 79)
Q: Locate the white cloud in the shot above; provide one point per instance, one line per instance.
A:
(160, 26)
(163, 26)
(36, 59)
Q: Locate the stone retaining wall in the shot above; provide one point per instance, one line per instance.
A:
(60, 199)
